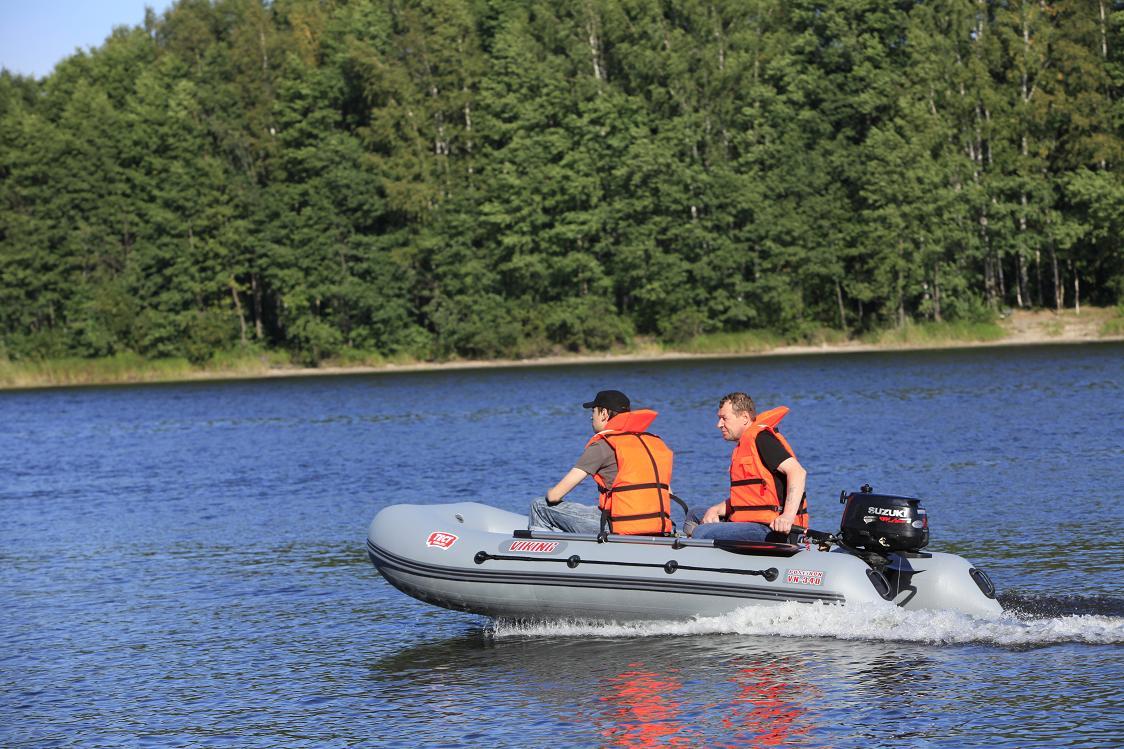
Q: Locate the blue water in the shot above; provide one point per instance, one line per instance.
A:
(184, 565)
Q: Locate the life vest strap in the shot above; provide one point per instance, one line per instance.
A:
(747, 482)
(632, 487)
(756, 508)
(646, 516)
(681, 503)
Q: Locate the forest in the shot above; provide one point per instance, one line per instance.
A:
(512, 178)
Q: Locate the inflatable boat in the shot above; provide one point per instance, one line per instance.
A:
(472, 557)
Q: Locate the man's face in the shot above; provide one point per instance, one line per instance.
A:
(731, 423)
(599, 417)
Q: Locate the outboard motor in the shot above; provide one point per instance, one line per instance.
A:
(881, 523)
(888, 532)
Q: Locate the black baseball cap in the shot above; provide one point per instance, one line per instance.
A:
(614, 400)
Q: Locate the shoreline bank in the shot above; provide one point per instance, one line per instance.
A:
(625, 358)
(1023, 328)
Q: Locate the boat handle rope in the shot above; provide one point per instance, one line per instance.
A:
(669, 567)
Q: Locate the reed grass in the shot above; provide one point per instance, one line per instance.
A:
(823, 336)
(937, 333)
(355, 358)
(640, 346)
(125, 367)
(744, 342)
(1113, 326)
(128, 367)
(247, 361)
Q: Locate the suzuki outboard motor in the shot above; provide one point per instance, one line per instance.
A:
(888, 532)
(883, 522)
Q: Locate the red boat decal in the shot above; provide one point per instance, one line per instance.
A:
(804, 577)
(441, 539)
(534, 547)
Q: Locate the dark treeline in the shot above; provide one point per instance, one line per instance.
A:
(504, 177)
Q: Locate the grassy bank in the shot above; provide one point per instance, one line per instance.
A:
(1113, 327)
(1020, 327)
(745, 342)
(129, 367)
(755, 342)
(937, 334)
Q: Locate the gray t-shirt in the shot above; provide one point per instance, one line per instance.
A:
(599, 458)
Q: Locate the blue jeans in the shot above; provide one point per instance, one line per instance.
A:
(568, 517)
(725, 531)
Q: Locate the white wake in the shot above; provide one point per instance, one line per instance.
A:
(849, 622)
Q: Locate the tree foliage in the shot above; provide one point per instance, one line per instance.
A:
(490, 178)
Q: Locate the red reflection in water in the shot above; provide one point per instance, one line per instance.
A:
(764, 712)
(645, 713)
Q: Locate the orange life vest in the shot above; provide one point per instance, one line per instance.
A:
(753, 487)
(639, 500)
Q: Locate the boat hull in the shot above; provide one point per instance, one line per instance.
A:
(472, 557)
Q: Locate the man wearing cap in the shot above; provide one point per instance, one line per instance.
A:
(635, 499)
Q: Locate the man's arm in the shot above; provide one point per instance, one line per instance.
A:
(563, 487)
(797, 480)
(714, 514)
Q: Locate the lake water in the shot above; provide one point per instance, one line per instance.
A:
(184, 565)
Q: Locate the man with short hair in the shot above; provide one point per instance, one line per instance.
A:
(767, 482)
(632, 468)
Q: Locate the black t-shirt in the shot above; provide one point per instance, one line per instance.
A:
(773, 453)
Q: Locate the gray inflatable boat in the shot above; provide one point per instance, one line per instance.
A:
(471, 557)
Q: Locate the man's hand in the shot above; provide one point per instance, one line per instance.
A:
(782, 523)
(712, 514)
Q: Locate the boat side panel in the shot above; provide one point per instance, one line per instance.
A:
(445, 555)
(612, 591)
(940, 582)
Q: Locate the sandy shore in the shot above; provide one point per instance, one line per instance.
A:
(1021, 328)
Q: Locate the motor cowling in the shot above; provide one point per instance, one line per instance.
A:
(883, 522)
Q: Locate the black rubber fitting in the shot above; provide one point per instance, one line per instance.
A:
(881, 584)
(983, 581)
